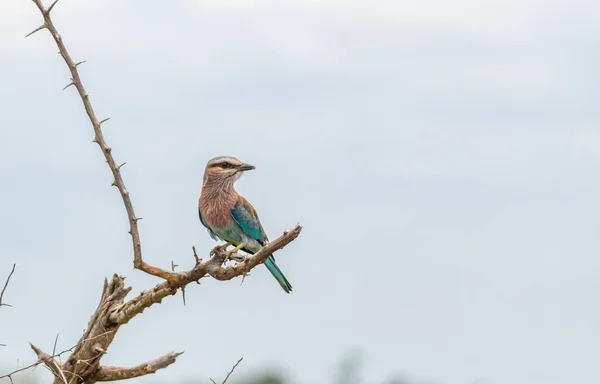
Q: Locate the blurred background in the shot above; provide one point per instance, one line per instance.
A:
(441, 156)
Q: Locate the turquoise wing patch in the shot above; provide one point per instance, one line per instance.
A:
(244, 214)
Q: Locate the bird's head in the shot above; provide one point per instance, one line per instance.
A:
(226, 168)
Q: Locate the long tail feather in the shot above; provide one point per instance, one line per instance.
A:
(276, 272)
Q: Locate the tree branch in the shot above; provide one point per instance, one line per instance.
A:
(232, 369)
(212, 267)
(5, 286)
(106, 373)
(99, 139)
(38, 362)
(49, 362)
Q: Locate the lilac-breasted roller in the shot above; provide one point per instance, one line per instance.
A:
(230, 217)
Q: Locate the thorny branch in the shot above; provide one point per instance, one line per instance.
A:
(211, 267)
(83, 365)
(98, 137)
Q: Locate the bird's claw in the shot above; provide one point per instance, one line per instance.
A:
(231, 252)
(220, 248)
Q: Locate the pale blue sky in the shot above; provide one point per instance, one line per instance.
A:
(442, 156)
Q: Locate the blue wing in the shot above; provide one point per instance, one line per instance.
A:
(245, 215)
(210, 231)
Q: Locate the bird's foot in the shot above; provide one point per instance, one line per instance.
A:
(220, 248)
(231, 252)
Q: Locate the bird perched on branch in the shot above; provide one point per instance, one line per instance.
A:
(230, 217)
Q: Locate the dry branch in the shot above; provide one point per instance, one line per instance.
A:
(232, 369)
(4, 290)
(83, 365)
(38, 362)
(98, 137)
(107, 373)
(212, 267)
(2, 303)
(49, 361)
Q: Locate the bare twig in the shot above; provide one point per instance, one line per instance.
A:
(56, 339)
(5, 286)
(232, 369)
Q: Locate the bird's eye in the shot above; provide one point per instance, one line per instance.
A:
(225, 165)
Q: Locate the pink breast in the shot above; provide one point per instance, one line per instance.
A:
(217, 211)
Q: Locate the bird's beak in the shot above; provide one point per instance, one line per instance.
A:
(245, 167)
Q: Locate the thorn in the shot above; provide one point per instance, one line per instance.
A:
(183, 294)
(68, 85)
(173, 266)
(80, 62)
(119, 167)
(51, 6)
(36, 30)
(97, 348)
(55, 342)
(198, 260)
(138, 219)
(103, 121)
(114, 184)
(95, 141)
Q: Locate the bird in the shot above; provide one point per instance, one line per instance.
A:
(229, 216)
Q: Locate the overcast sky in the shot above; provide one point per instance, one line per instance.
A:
(442, 156)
